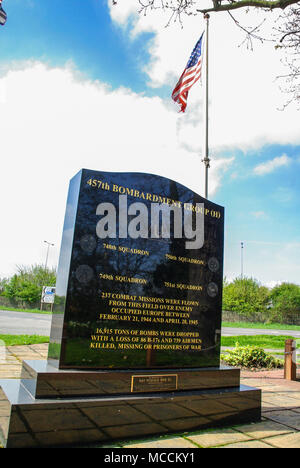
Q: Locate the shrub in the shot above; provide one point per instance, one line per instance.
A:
(245, 296)
(26, 285)
(251, 357)
(286, 302)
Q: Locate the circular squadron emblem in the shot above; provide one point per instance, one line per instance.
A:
(212, 289)
(88, 243)
(213, 264)
(84, 273)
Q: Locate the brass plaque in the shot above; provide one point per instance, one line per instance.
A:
(154, 383)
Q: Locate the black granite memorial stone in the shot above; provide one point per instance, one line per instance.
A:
(142, 297)
(136, 329)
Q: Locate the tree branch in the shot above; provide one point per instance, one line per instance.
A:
(289, 34)
(264, 4)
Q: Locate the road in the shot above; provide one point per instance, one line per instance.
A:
(23, 323)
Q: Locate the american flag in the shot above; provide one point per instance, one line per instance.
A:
(190, 76)
(2, 15)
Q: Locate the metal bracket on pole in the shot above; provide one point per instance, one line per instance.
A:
(206, 162)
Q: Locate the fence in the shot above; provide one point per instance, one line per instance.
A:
(230, 316)
(6, 302)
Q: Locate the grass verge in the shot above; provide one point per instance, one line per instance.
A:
(264, 326)
(30, 311)
(263, 341)
(21, 340)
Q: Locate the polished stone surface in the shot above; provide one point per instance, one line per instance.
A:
(268, 430)
(48, 423)
(136, 330)
(137, 303)
(45, 380)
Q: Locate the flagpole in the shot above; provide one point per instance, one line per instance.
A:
(206, 159)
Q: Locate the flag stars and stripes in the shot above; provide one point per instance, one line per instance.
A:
(3, 15)
(190, 76)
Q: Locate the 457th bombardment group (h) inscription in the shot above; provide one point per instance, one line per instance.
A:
(136, 328)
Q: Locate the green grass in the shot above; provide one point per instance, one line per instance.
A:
(266, 326)
(20, 340)
(31, 311)
(263, 341)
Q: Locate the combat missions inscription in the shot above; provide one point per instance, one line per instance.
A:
(140, 275)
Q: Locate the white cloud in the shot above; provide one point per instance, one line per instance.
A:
(245, 99)
(122, 12)
(272, 165)
(53, 123)
(244, 93)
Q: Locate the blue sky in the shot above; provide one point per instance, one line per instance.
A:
(84, 84)
(58, 31)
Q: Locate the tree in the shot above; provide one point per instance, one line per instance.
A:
(246, 297)
(286, 302)
(286, 34)
(3, 283)
(26, 285)
(290, 40)
(189, 7)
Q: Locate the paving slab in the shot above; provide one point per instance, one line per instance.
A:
(285, 441)
(266, 428)
(217, 437)
(289, 418)
(250, 444)
(291, 394)
(174, 442)
(279, 428)
(266, 406)
(281, 401)
(29, 351)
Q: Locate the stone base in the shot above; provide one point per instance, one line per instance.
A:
(44, 379)
(28, 422)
